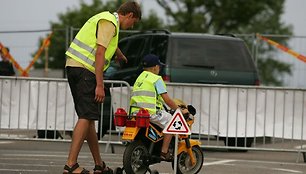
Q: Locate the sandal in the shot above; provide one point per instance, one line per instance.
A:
(166, 156)
(73, 168)
(102, 169)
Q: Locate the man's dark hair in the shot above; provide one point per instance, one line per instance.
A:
(129, 7)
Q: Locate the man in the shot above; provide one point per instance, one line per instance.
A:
(6, 67)
(87, 57)
(149, 92)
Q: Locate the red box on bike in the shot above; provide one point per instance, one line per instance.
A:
(143, 118)
(120, 117)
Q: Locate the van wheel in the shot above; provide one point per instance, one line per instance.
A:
(49, 134)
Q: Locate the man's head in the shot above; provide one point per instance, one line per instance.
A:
(152, 63)
(3, 53)
(130, 13)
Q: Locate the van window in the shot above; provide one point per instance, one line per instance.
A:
(212, 54)
(159, 45)
(133, 50)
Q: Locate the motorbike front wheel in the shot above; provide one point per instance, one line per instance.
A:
(184, 165)
(135, 158)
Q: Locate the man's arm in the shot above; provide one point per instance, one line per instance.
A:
(162, 91)
(169, 101)
(99, 66)
(105, 33)
(120, 56)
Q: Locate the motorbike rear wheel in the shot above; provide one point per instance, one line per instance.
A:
(184, 165)
(135, 158)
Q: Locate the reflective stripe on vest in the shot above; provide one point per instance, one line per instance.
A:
(144, 105)
(143, 93)
(83, 47)
(81, 56)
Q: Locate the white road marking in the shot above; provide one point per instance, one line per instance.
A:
(29, 164)
(6, 142)
(23, 170)
(224, 162)
(264, 162)
(287, 170)
(58, 154)
(40, 155)
(218, 162)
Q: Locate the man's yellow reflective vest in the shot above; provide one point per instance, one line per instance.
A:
(83, 47)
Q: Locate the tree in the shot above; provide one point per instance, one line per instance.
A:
(234, 16)
(75, 19)
(208, 16)
(270, 73)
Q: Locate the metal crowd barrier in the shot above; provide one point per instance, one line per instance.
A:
(242, 118)
(247, 117)
(228, 117)
(43, 109)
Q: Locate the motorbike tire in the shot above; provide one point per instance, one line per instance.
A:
(135, 158)
(154, 172)
(118, 170)
(183, 161)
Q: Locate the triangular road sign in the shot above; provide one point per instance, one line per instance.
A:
(177, 125)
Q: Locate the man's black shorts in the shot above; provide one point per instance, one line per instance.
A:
(82, 84)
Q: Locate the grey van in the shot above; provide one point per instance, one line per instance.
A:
(189, 58)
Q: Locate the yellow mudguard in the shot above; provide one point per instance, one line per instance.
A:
(130, 133)
(182, 145)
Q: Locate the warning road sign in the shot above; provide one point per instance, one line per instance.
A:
(177, 125)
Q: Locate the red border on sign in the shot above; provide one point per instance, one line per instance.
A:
(178, 131)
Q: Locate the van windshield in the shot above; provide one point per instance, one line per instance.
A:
(211, 54)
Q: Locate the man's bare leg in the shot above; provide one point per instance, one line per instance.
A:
(79, 135)
(93, 144)
(166, 142)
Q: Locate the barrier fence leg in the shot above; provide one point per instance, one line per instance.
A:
(109, 144)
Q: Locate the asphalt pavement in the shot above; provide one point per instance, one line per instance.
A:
(49, 157)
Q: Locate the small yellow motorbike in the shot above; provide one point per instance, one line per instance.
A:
(144, 143)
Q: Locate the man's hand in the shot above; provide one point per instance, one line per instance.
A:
(100, 94)
(120, 56)
(184, 111)
(169, 101)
